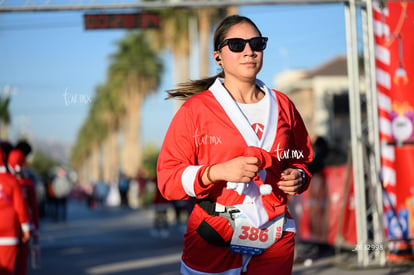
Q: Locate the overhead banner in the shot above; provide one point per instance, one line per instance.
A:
(142, 20)
(394, 37)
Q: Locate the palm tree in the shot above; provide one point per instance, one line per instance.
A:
(140, 69)
(81, 156)
(111, 110)
(91, 135)
(174, 35)
(86, 155)
(5, 117)
(134, 72)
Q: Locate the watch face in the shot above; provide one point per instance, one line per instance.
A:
(302, 173)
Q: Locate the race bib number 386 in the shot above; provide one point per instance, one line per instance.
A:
(251, 240)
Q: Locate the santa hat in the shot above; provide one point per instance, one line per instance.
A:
(16, 161)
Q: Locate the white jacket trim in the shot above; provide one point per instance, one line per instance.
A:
(188, 178)
(185, 270)
(8, 241)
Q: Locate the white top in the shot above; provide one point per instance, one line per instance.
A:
(256, 114)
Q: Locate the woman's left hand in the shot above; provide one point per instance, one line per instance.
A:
(25, 236)
(290, 181)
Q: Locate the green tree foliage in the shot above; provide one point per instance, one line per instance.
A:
(150, 158)
(42, 163)
(5, 117)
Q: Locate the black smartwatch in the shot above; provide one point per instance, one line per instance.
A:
(302, 174)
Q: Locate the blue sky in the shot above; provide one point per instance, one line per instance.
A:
(45, 56)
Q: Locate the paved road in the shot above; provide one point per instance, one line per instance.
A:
(106, 241)
(118, 241)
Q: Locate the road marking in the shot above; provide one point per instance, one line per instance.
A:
(135, 264)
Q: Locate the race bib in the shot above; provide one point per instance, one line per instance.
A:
(248, 239)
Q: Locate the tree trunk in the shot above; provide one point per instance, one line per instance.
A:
(232, 10)
(204, 30)
(96, 169)
(83, 173)
(131, 149)
(110, 158)
(4, 131)
(181, 71)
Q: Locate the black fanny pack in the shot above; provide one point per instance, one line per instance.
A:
(206, 231)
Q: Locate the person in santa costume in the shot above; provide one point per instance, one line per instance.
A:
(16, 162)
(239, 148)
(14, 225)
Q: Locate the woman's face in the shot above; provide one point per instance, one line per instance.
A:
(244, 65)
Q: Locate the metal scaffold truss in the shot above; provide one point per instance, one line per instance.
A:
(368, 191)
(78, 5)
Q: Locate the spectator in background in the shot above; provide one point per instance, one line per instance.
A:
(321, 151)
(142, 179)
(161, 206)
(60, 188)
(318, 195)
(101, 191)
(16, 163)
(14, 225)
(123, 189)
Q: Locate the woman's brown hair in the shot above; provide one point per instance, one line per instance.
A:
(188, 89)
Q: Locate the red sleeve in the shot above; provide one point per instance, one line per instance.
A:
(178, 171)
(20, 206)
(299, 139)
(301, 136)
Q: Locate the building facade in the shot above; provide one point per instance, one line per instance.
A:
(321, 96)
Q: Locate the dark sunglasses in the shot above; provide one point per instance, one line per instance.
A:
(237, 45)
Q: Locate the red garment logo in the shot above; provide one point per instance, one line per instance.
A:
(258, 129)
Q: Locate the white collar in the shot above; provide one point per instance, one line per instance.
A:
(3, 169)
(240, 121)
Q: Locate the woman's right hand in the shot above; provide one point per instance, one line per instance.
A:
(240, 169)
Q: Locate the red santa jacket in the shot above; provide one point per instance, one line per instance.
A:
(16, 163)
(13, 211)
(210, 128)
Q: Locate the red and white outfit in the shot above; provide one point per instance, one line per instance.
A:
(16, 162)
(14, 219)
(210, 128)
